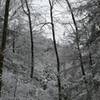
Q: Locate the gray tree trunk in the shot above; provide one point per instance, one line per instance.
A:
(3, 42)
(56, 51)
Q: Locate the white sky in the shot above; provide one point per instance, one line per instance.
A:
(43, 6)
(59, 12)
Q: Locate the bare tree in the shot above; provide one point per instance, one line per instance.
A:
(79, 49)
(77, 38)
(56, 51)
(4, 36)
(31, 36)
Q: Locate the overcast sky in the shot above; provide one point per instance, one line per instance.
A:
(59, 12)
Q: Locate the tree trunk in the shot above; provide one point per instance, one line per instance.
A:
(16, 83)
(31, 37)
(79, 50)
(13, 44)
(3, 42)
(56, 51)
(77, 38)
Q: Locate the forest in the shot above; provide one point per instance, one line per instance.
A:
(49, 50)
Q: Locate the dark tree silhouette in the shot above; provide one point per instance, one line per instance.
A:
(31, 36)
(79, 49)
(56, 51)
(77, 38)
(3, 42)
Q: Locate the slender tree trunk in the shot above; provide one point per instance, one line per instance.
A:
(79, 50)
(90, 57)
(31, 37)
(90, 60)
(56, 51)
(4, 36)
(15, 91)
(13, 45)
(77, 38)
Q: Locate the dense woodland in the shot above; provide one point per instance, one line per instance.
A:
(49, 49)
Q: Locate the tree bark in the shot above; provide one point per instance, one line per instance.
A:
(77, 38)
(13, 45)
(31, 37)
(79, 49)
(3, 42)
(56, 51)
